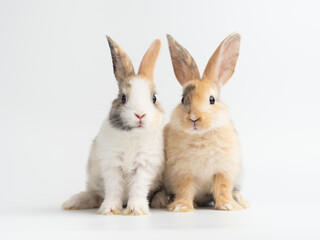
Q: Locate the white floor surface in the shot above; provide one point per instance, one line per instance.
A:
(258, 222)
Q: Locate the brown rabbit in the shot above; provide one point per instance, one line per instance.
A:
(203, 160)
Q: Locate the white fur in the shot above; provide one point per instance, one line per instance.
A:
(139, 102)
(124, 166)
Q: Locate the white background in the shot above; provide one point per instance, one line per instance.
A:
(57, 84)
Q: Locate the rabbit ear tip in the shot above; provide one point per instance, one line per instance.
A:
(235, 35)
(109, 39)
(158, 41)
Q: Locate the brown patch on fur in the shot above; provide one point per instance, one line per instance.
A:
(122, 65)
(123, 68)
(187, 94)
(115, 118)
(196, 102)
(149, 60)
(124, 72)
(184, 66)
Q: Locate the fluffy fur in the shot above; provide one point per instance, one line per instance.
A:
(126, 161)
(202, 151)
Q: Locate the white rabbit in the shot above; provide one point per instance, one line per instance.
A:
(126, 161)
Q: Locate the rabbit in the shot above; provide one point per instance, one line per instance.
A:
(202, 152)
(126, 160)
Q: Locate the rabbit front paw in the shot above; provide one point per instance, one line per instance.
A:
(109, 209)
(230, 206)
(137, 208)
(181, 206)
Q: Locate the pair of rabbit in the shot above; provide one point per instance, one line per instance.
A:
(195, 159)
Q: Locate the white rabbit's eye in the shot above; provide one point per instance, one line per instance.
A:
(154, 98)
(212, 100)
(182, 100)
(123, 99)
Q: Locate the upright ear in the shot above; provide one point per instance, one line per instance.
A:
(222, 63)
(185, 68)
(122, 65)
(149, 60)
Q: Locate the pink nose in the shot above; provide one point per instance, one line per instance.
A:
(139, 116)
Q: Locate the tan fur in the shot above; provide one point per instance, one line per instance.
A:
(222, 192)
(149, 60)
(199, 105)
(185, 68)
(185, 189)
(200, 156)
(220, 70)
(240, 199)
(203, 163)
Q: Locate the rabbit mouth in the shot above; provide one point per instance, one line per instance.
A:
(140, 124)
(195, 127)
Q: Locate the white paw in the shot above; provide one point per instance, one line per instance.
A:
(137, 209)
(179, 208)
(225, 207)
(109, 209)
(159, 200)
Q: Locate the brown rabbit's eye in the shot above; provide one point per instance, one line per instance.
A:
(123, 99)
(212, 100)
(154, 98)
(182, 100)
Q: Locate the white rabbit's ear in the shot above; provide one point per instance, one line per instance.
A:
(149, 60)
(122, 65)
(185, 68)
(222, 63)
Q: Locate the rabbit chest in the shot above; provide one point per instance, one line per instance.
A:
(202, 155)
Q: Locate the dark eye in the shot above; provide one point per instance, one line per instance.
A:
(212, 100)
(154, 98)
(123, 99)
(182, 100)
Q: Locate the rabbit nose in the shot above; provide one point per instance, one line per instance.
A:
(194, 118)
(140, 116)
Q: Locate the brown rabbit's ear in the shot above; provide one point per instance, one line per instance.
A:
(149, 60)
(222, 63)
(185, 68)
(122, 65)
